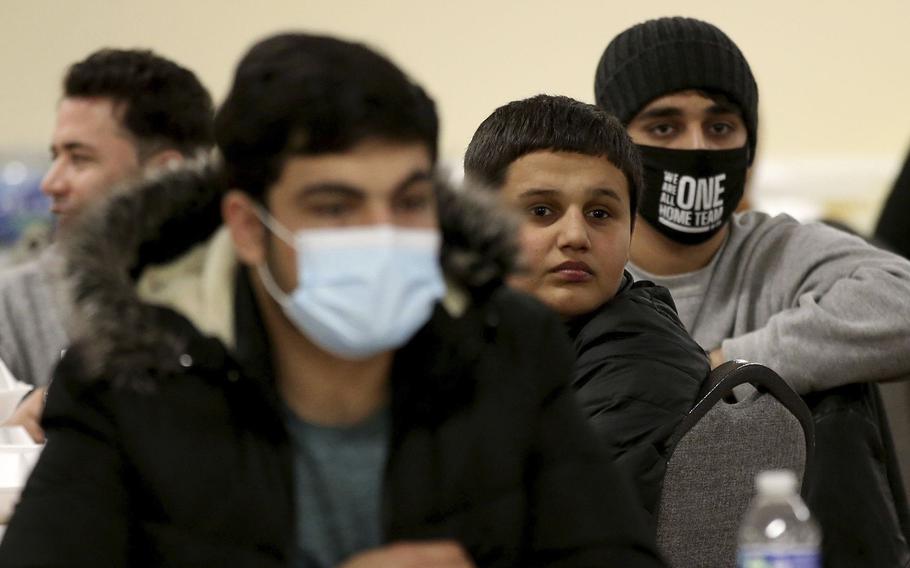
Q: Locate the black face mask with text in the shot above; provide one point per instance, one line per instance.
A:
(688, 195)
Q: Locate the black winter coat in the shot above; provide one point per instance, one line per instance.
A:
(165, 448)
(637, 375)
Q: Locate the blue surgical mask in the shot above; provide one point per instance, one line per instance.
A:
(360, 290)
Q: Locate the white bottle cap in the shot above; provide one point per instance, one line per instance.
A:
(776, 482)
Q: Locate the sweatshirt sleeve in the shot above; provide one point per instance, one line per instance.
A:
(836, 310)
(9, 352)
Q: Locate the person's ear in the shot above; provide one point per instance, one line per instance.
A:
(247, 231)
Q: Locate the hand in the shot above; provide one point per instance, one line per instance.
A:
(717, 358)
(28, 415)
(430, 554)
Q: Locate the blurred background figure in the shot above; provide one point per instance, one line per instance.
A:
(893, 232)
(893, 228)
(124, 113)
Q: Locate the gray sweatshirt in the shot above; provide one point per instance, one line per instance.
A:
(33, 310)
(819, 306)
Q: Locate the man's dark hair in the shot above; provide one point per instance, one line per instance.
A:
(553, 124)
(163, 105)
(298, 94)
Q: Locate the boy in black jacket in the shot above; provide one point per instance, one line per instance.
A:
(573, 174)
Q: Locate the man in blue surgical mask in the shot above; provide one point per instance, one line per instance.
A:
(339, 377)
(822, 308)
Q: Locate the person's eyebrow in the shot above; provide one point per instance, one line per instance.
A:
(416, 176)
(660, 112)
(341, 189)
(72, 147)
(606, 192)
(537, 192)
(673, 112)
(331, 188)
(723, 108)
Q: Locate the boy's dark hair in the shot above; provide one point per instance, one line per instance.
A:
(163, 105)
(299, 94)
(555, 124)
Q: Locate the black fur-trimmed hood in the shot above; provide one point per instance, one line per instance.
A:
(163, 217)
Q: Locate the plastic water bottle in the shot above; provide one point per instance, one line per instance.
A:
(777, 530)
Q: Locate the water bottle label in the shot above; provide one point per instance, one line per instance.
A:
(758, 558)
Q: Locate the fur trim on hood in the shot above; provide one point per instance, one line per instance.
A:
(161, 218)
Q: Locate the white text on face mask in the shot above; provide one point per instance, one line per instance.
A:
(692, 203)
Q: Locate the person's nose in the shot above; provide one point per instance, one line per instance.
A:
(379, 213)
(695, 139)
(54, 183)
(573, 231)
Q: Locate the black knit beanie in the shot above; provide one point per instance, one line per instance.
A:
(663, 56)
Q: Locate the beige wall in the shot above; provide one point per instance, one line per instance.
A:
(832, 76)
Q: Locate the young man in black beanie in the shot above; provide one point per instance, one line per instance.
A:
(822, 308)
